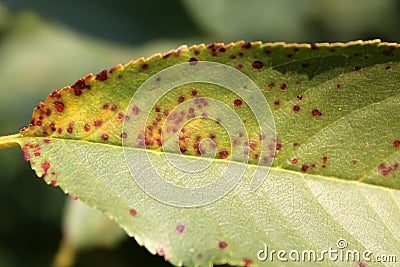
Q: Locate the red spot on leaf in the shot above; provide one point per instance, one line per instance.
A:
(145, 66)
(283, 86)
(315, 112)
(114, 107)
(86, 127)
(304, 168)
(222, 244)
(271, 85)
(385, 170)
(296, 108)
(47, 141)
(247, 261)
(181, 99)
(180, 228)
(276, 102)
(223, 153)
(257, 64)
(396, 143)
(135, 110)
(102, 76)
(300, 97)
(192, 61)
(74, 197)
(59, 106)
(237, 102)
(105, 137)
(295, 161)
(98, 123)
(246, 45)
(79, 86)
(45, 167)
(25, 154)
(70, 128)
(194, 93)
(132, 212)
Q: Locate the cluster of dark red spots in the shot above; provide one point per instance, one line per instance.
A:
(396, 143)
(246, 45)
(55, 94)
(45, 167)
(79, 86)
(257, 64)
(98, 123)
(324, 161)
(70, 128)
(102, 76)
(315, 112)
(385, 170)
(59, 106)
(36, 151)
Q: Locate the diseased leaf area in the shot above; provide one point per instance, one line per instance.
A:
(335, 106)
(336, 112)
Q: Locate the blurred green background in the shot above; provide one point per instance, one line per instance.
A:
(45, 45)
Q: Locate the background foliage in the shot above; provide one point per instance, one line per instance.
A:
(45, 45)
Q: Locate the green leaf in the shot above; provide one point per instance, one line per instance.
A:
(335, 174)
